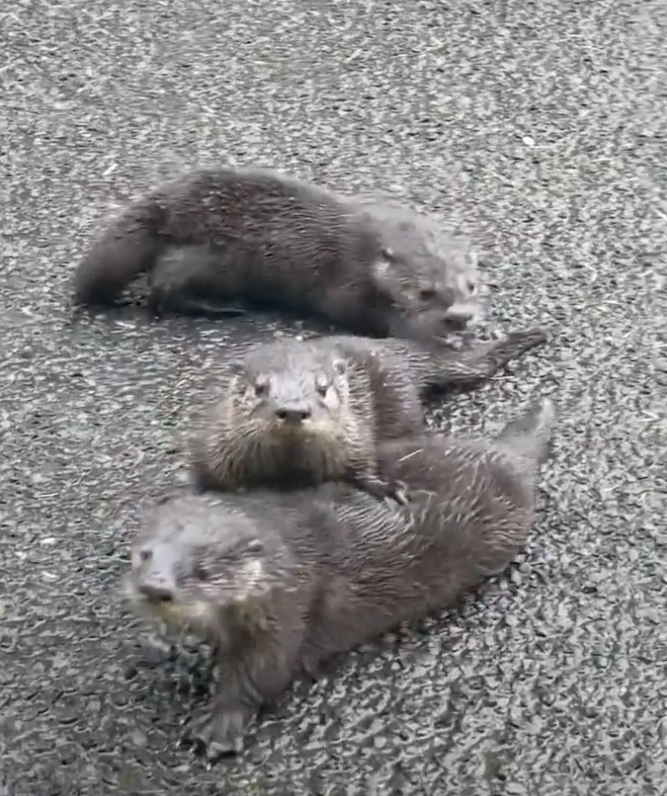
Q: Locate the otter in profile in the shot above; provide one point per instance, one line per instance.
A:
(417, 240)
(260, 238)
(280, 582)
(298, 413)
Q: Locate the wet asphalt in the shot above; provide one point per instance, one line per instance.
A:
(539, 127)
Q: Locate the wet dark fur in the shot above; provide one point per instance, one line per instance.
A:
(343, 395)
(280, 582)
(254, 236)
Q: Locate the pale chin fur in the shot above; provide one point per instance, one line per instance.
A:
(311, 428)
(195, 616)
(308, 427)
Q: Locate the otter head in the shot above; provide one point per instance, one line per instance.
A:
(290, 390)
(288, 404)
(197, 573)
(430, 276)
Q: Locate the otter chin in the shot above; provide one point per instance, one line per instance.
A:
(178, 617)
(276, 455)
(177, 612)
(301, 430)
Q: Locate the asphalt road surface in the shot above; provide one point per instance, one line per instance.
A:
(539, 127)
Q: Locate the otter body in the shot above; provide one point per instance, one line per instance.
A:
(298, 413)
(254, 236)
(281, 582)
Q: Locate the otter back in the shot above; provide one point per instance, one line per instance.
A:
(257, 236)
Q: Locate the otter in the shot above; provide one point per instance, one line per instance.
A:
(260, 238)
(278, 582)
(297, 413)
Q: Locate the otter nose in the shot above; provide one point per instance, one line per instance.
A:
(293, 414)
(458, 319)
(157, 590)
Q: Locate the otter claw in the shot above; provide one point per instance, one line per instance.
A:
(399, 492)
(219, 733)
(381, 490)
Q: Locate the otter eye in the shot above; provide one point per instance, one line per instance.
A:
(472, 287)
(428, 293)
(144, 554)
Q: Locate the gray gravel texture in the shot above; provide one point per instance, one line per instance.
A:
(539, 127)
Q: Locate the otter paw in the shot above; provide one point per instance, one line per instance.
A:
(398, 490)
(382, 490)
(218, 732)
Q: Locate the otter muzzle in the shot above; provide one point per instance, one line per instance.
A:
(293, 414)
(157, 588)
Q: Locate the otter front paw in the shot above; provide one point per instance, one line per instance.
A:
(398, 491)
(382, 490)
(219, 732)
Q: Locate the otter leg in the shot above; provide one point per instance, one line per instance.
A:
(248, 678)
(483, 361)
(184, 280)
(220, 729)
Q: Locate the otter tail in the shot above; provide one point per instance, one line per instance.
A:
(127, 248)
(529, 437)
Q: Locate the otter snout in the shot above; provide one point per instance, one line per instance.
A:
(155, 573)
(458, 317)
(439, 322)
(295, 414)
(157, 588)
